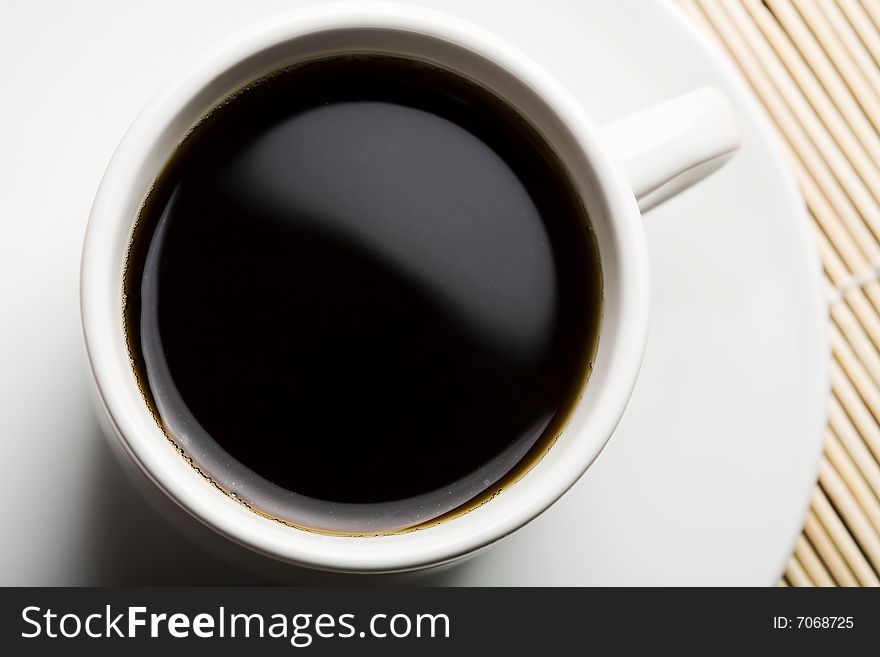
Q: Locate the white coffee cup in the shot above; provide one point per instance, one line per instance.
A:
(632, 164)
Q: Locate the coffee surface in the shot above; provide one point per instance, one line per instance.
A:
(362, 293)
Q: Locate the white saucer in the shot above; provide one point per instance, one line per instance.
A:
(707, 478)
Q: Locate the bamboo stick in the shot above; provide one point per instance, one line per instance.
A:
(797, 138)
(862, 24)
(852, 477)
(820, 62)
(855, 370)
(827, 103)
(812, 565)
(825, 547)
(843, 540)
(858, 80)
(846, 433)
(796, 574)
(855, 408)
(853, 183)
(850, 41)
(850, 513)
(873, 10)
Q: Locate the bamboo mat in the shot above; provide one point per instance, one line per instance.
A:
(815, 67)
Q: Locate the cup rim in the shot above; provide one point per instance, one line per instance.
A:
(142, 439)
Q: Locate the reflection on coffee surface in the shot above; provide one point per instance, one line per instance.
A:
(362, 294)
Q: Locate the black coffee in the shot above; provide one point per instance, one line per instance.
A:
(362, 294)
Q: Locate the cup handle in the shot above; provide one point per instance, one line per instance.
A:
(666, 148)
